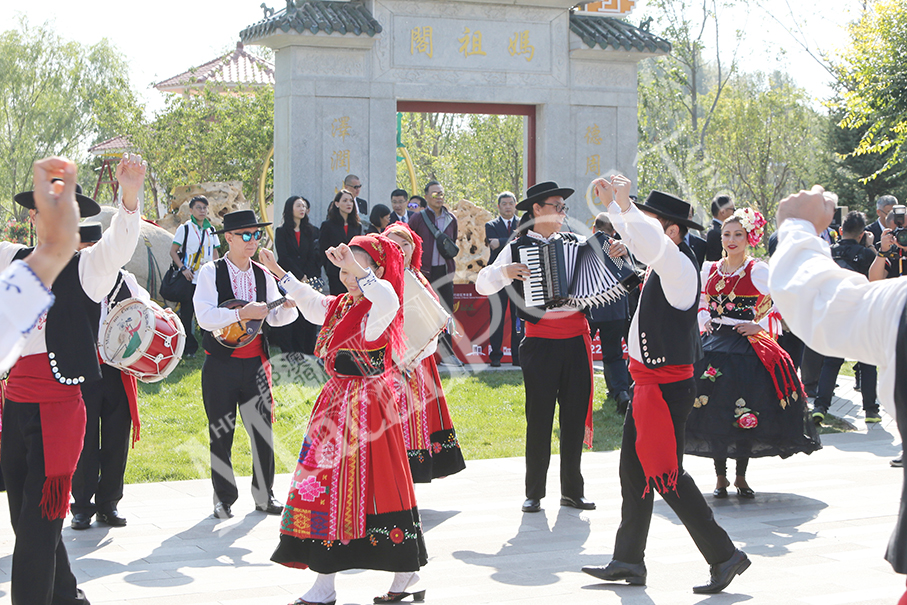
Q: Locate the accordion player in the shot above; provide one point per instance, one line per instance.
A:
(569, 271)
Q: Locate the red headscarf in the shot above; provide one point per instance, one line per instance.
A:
(415, 263)
(344, 323)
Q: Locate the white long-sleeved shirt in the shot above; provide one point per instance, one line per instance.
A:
(835, 311)
(314, 305)
(23, 301)
(211, 317)
(759, 277)
(646, 239)
(98, 266)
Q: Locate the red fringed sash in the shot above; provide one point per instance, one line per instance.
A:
(62, 427)
(560, 326)
(779, 365)
(656, 445)
(131, 386)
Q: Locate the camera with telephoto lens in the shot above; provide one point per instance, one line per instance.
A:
(899, 218)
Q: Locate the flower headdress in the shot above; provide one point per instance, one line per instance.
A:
(752, 221)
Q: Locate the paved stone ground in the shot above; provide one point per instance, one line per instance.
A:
(816, 534)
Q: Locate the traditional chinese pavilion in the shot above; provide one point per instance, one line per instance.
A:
(344, 69)
(234, 71)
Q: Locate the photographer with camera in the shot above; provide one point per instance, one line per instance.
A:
(852, 252)
(893, 243)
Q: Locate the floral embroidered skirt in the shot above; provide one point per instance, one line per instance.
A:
(351, 503)
(737, 413)
(428, 433)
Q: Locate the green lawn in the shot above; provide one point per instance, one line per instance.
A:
(486, 408)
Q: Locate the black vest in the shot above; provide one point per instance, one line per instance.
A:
(668, 336)
(71, 331)
(225, 293)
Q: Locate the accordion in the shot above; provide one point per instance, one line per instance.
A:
(566, 271)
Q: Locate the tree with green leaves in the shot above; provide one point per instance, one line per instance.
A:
(209, 137)
(873, 72)
(56, 97)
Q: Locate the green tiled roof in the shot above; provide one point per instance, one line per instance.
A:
(316, 16)
(607, 32)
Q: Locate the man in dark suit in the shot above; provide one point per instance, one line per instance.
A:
(722, 207)
(352, 184)
(437, 269)
(497, 234)
(399, 198)
(884, 204)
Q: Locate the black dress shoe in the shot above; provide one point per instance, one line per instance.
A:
(273, 507)
(222, 511)
(80, 521)
(531, 505)
(580, 503)
(495, 363)
(616, 571)
(112, 518)
(723, 573)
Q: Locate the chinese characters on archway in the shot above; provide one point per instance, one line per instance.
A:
(340, 158)
(469, 43)
(593, 161)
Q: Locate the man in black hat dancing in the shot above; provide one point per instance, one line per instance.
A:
(44, 416)
(664, 343)
(239, 377)
(555, 356)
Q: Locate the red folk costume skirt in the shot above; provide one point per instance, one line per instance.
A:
(351, 503)
(428, 432)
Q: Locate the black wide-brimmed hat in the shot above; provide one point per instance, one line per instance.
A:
(540, 192)
(669, 207)
(87, 206)
(90, 233)
(240, 219)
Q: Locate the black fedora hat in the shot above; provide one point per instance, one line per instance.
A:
(87, 206)
(240, 219)
(90, 233)
(540, 192)
(669, 207)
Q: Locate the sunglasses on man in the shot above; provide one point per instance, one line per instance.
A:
(248, 235)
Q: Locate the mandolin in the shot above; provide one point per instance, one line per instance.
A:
(244, 331)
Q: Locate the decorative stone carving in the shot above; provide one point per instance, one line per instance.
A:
(473, 255)
(222, 197)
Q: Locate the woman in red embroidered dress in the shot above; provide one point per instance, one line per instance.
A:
(351, 502)
(750, 401)
(429, 434)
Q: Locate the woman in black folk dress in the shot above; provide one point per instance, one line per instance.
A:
(296, 242)
(750, 401)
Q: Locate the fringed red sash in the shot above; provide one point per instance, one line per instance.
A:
(656, 445)
(131, 386)
(780, 366)
(560, 326)
(62, 426)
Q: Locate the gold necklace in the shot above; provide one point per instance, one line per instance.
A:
(722, 283)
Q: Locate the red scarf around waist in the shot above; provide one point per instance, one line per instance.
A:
(560, 326)
(656, 445)
(62, 426)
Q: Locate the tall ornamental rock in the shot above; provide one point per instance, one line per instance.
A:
(222, 197)
(473, 254)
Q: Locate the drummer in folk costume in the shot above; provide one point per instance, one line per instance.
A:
(351, 502)
(239, 377)
(428, 432)
(555, 357)
(111, 406)
(44, 416)
(750, 402)
(664, 344)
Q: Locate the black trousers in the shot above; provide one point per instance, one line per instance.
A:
(830, 368)
(442, 282)
(227, 384)
(617, 376)
(187, 314)
(40, 571)
(810, 370)
(687, 502)
(498, 320)
(555, 371)
(102, 465)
